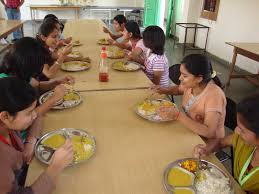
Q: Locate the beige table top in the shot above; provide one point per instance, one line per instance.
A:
(131, 154)
(9, 26)
(89, 32)
(251, 47)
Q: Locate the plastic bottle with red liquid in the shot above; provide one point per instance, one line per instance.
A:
(103, 68)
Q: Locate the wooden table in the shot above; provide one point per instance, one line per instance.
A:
(89, 32)
(35, 8)
(249, 50)
(132, 152)
(6, 28)
(9, 26)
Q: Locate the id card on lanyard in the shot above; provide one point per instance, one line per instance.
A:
(242, 177)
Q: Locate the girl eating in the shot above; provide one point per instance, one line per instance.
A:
(203, 103)
(48, 35)
(17, 112)
(245, 142)
(156, 63)
(136, 46)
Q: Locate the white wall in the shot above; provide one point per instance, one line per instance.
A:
(25, 11)
(236, 22)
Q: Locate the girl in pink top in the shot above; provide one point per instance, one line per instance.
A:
(156, 64)
(204, 103)
(138, 52)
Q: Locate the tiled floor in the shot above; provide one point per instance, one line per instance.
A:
(239, 88)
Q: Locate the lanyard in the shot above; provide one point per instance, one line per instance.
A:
(242, 179)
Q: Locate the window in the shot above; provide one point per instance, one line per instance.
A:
(210, 9)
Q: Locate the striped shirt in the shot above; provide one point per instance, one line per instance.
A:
(158, 63)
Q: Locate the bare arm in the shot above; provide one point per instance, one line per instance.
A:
(208, 129)
(173, 90)
(213, 146)
(123, 45)
(135, 56)
(22, 2)
(157, 77)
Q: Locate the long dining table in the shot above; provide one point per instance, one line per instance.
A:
(131, 152)
(88, 32)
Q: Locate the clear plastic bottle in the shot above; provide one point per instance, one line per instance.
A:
(103, 68)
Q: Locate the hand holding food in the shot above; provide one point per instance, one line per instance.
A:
(59, 93)
(105, 30)
(168, 112)
(63, 156)
(66, 80)
(67, 49)
(111, 41)
(200, 151)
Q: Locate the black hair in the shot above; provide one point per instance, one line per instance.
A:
(133, 27)
(48, 26)
(50, 17)
(16, 95)
(200, 65)
(121, 19)
(26, 59)
(248, 108)
(154, 38)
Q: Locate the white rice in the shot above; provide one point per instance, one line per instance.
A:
(214, 183)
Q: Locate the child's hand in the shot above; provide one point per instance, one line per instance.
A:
(105, 30)
(130, 57)
(200, 151)
(168, 113)
(67, 50)
(68, 40)
(111, 41)
(65, 80)
(63, 156)
(59, 93)
(159, 89)
(29, 150)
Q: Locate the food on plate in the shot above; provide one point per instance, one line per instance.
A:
(150, 107)
(83, 146)
(125, 66)
(54, 141)
(75, 66)
(212, 181)
(190, 165)
(103, 41)
(183, 190)
(180, 177)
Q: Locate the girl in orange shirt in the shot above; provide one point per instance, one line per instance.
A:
(204, 103)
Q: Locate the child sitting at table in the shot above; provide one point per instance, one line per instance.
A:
(17, 112)
(203, 103)
(136, 46)
(63, 41)
(245, 142)
(119, 22)
(25, 60)
(156, 63)
(48, 35)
